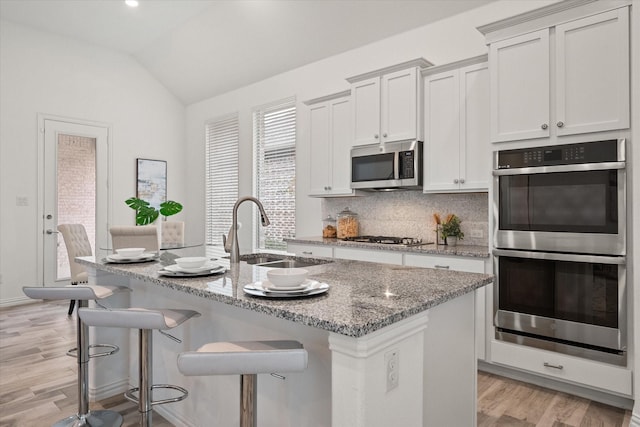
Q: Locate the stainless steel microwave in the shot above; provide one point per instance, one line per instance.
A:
(395, 165)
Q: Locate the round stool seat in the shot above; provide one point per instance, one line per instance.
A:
(244, 357)
(72, 292)
(137, 318)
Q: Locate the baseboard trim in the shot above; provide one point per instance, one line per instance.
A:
(109, 390)
(585, 392)
(635, 418)
(9, 302)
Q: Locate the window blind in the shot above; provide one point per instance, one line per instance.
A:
(222, 140)
(275, 172)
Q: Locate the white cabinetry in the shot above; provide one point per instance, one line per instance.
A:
(330, 137)
(563, 367)
(310, 251)
(571, 77)
(471, 265)
(386, 257)
(456, 150)
(387, 104)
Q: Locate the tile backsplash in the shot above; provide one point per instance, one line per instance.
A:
(410, 213)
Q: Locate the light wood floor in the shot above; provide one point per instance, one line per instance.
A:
(38, 382)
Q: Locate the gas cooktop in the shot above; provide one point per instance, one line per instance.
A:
(387, 240)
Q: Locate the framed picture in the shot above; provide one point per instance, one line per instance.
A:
(151, 181)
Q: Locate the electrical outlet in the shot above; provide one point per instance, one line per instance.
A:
(392, 368)
(477, 234)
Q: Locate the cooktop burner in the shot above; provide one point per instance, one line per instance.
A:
(387, 240)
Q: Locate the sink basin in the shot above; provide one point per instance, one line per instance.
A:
(260, 259)
(274, 261)
(290, 263)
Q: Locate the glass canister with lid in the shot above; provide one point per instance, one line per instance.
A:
(329, 227)
(348, 224)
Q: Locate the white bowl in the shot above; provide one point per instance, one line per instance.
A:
(287, 276)
(130, 252)
(191, 262)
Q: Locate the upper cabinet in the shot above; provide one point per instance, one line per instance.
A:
(569, 76)
(330, 141)
(387, 104)
(456, 147)
(520, 87)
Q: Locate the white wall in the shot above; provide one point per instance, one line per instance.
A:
(43, 73)
(441, 42)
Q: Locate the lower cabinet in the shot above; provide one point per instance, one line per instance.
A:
(387, 257)
(471, 265)
(563, 367)
(310, 251)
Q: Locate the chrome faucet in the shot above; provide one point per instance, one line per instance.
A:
(231, 242)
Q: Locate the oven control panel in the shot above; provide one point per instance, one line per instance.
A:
(569, 154)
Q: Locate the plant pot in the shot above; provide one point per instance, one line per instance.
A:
(451, 241)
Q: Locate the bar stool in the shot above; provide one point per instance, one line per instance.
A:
(145, 320)
(247, 359)
(82, 294)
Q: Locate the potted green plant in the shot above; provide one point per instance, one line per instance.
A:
(147, 214)
(450, 228)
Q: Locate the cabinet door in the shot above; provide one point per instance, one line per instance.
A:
(366, 111)
(475, 150)
(319, 149)
(310, 251)
(520, 87)
(341, 143)
(399, 105)
(442, 132)
(592, 69)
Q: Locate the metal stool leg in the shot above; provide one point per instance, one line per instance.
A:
(144, 376)
(84, 417)
(248, 402)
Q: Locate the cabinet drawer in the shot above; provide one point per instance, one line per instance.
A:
(310, 250)
(445, 262)
(367, 255)
(562, 367)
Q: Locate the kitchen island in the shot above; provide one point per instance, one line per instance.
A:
(388, 345)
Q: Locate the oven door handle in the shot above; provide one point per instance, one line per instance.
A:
(560, 168)
(599, 259)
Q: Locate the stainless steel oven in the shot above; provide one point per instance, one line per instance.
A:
(560, 245)
(566, 198)
(570, 303)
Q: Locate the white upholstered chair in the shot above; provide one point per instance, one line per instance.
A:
(172, 234)
(135, 237)
(77, 243)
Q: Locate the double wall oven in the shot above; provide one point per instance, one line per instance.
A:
(560, 246)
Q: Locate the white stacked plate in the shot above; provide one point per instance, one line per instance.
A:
(119, 259)
(306, 288)
(208, 268)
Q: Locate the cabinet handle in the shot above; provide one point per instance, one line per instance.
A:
(560, 124)
(442, 267)
(549, 365)
(461, 180)
(307, 252)
(544, 126)
(329, 188)
(376, 136)
(455, 181)
(384, 135)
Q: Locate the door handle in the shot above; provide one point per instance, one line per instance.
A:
(50, 231)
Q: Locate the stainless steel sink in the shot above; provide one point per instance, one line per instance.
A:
(273, 261)
(260, 259)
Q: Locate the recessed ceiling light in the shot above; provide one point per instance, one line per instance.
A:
(131, 3)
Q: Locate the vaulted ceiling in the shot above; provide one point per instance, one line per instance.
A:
(202, 48)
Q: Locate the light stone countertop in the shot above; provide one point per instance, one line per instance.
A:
(363, 296)
(427, 249)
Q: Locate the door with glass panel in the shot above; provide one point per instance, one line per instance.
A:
(74, 190)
